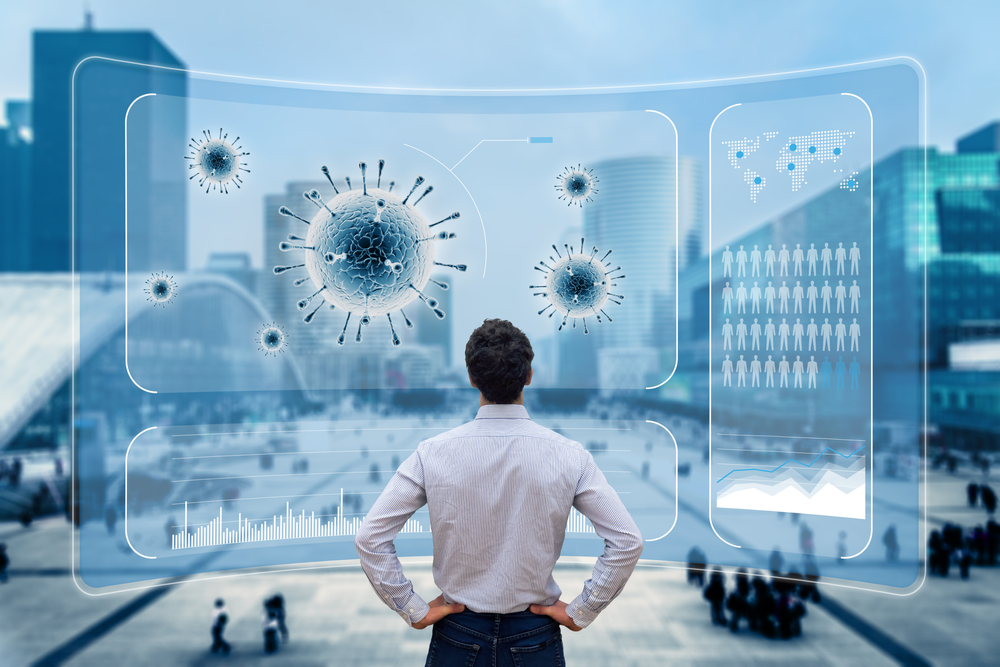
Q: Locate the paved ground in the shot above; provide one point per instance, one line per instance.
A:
(335, 619)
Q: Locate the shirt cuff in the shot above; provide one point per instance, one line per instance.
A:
(579, 612)
(414, 610)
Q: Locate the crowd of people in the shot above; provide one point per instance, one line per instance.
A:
(774, 608)
(274, 628)
(954, 545)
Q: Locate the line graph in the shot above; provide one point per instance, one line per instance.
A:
(831, 484)
(807, 465)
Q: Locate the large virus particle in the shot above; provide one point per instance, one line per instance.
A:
(160, 289)
(576, 185)
(578, 285)
(271, 339)
(368, 251)
(217, 162)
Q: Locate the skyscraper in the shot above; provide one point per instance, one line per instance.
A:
(15, 187)
(634, 216)
(158, 187)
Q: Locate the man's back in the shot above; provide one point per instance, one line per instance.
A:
(501, 488)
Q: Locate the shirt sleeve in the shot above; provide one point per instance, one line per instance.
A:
(403, 495)
(600, 503)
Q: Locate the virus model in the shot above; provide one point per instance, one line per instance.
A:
(216, 162)
(368, 252)
(271, 339)
(578, 285)
(161, 289)
(576, 185)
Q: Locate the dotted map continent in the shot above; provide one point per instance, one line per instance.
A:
(799, 153)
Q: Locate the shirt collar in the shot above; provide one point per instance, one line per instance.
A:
(510, 411)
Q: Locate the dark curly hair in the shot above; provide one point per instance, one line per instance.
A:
(498, 356)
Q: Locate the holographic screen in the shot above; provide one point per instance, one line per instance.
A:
(276, 282)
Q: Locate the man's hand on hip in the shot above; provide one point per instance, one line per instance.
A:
(439, 609)
(556, 612)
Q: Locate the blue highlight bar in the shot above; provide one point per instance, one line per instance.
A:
(539, 140)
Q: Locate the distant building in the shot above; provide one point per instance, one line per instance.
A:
(235, 265)
(432, 331)
(157, 185)
(15, 187)
(984, 140)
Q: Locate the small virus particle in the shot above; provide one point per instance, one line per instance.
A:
(161, 289)
(578, 285)
(271, 339)
(576, 185)
(368, 251)
(217, 162)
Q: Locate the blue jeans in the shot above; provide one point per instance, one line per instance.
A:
(521, 639)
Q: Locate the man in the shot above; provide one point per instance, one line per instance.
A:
(499, 491)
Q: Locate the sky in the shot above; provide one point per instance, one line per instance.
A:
(548, 43)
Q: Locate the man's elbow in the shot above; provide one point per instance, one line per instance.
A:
(364, 541)
(633, 545)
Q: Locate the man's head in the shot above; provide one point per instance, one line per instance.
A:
(498, 357)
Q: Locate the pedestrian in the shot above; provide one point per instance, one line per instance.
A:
(809, 590)
(277, 605)
(762, 607)
(891, 544)
(696, 567)
(739, 600)
(220, 616)
(790, 607)
(989, 498)
(776, 562)
(715, 593)
(270, 627)
(972, 491)
(4, 562)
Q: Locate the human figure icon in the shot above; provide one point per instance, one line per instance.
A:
(855, 297)
(811, 332)
(755, 372)
(769, 334)
(755, 335)
(741, 299)
(826, 294)
(826, 331)
(783, 371)
(841, 293)
(755, 299)
(727, 299)
(741, 372)
(741, 262)
(812, 294)
(783, 295)
(755, 262)
(855, 258)
(797, 294)
(797, 331)
(741, 335)
(769, 261)
(727, 335)
(727, 263)
(827, 256)
(797, 369)
(769, 294)
(811, 256)
(797, 258)
(855, 373)
(840, 372)
(783, 259)
(783, 331)
(855, 335)
(841, 258)
(769, 372)
(812, 370)
(727, 372)
(825, 371)
(840, 331)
